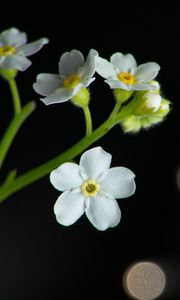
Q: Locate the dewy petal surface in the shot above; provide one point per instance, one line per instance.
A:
(147, 71)
(46, 84)
(69, 208)
(33, 47)
(70, 62)
(13, 37)
(105, 68)
(95, 162)
(118, 182)
(103, 212)
(66, 177)
(18, 62)
(125, 63)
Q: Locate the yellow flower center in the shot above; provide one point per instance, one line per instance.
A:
(89, 188)
(7, 50)
(71, 81)
(126, 78)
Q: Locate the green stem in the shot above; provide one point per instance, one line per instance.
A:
(40, 171)
(88, 120)
(13, 128)
(15, 95)
(115, 109)
(10, 177)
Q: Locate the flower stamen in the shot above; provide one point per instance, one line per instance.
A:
(71, 81)
(126, 78)
(7, 50)
(89, 188)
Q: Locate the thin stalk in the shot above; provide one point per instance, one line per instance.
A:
(15, 96)
(115, 109)
(13, 128)
(88, 120)
(44, 169)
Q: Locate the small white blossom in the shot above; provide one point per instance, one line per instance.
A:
(14, 49)
(122, 72)
(74, 73)
(91, 188)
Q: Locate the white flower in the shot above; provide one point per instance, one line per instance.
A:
(74, 73)
(91, 188)
(122, 72)
(13, 49)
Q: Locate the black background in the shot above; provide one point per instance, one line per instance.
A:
(40, 259)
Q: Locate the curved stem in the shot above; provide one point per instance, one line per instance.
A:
(15, 95)
(13, 128)
(46, 168)
(115, 109)
(88, 120)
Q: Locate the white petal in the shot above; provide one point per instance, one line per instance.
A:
(77, 88)
(66, 177)
(118, 182)
(46, 84)
(103, 212)
(34, 47)
(141, 86)
(18, 62)
(87, 81)
(147, 72)
(89, 67)
(70, 62)
(125, 63)
(95, 162)
(13, 37)
(117, 84)
(105, 68)
(69, 207)
(59, 96)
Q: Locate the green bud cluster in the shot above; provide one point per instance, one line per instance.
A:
(143, 110)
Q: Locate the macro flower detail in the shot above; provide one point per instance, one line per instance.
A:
(91, 188)
(74, 73)
(146, 108)
(122, 72)
(14, 49)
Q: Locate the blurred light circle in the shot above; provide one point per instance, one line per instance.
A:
(144, 281)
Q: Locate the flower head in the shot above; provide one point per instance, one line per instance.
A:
(91, 188)
(14, 49)
(146, 109)
(122, 72)
(74, 73)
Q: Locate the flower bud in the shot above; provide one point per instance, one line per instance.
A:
(8, 73)
(134, 122)
(121, 95)
(81, 98)
(152, 101)
(164, 107)
(131, 124)
(146, 102)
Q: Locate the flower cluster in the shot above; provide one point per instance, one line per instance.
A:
(128, 81)
(91, 187)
